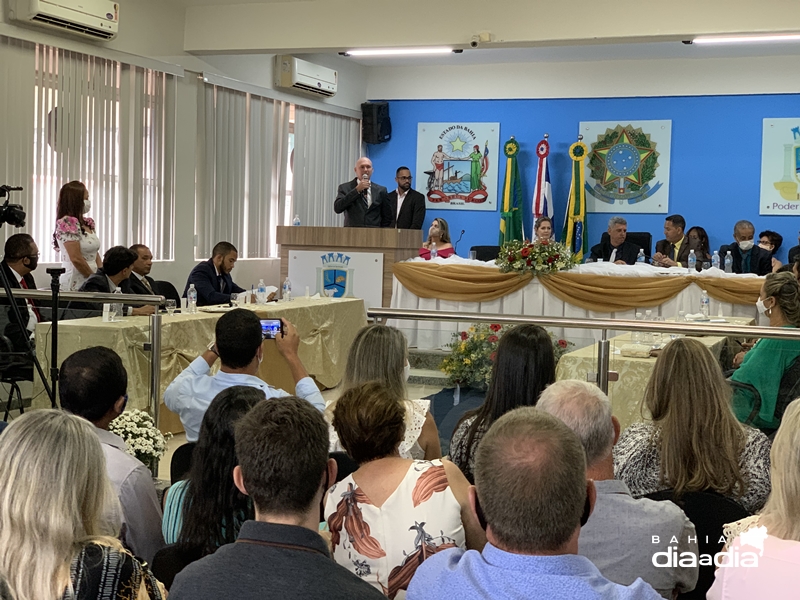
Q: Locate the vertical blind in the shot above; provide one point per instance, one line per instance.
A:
(326, 147)
(242, 153)
(71, 116)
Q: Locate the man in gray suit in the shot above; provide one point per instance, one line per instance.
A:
(364, 204)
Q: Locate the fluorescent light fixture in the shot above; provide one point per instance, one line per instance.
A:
(397, 51)
(747, 39)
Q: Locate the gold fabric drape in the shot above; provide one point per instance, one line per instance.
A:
(601, 293)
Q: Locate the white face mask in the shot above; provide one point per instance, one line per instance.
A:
(87, 206)
(406, 372)
(762, 310)
(745, 245)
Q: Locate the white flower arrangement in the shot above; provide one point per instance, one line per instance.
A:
(142, 438)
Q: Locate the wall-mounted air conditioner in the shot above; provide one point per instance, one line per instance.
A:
(96, 19)
(294, 73)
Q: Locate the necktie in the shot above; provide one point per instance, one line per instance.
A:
(671, 252)
(221, 284)
(147, 285)
(368, 197)
(32, 305)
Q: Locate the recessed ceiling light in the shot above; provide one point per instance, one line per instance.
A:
(748, 39)
(397, 51)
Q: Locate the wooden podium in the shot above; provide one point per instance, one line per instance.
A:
(395, 245)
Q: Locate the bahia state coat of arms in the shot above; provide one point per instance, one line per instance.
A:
(623, 164)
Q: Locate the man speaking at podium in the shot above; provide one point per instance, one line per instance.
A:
(364, 204)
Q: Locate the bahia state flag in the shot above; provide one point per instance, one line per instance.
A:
(574, 235)
(542, 204)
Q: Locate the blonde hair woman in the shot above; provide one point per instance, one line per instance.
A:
(380, 353)
(55, 537)
(779, 558)
(693, 441)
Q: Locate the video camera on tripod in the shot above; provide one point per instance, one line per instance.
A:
(13, 214)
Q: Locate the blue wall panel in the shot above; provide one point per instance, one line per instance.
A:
(716, 157)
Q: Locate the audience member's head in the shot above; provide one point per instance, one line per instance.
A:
(212, 501)
(530, 483)
(21, 253)
(439, 231)
(378, 353)
(743, 233)
(92, 384)
(224, 256)
(617, 231)
(118, 260)
(56, 495)
(370, 422)
(781, 514)
(282, 447)
(584, 408)
(770, 241)
(238, 338)
(674, 225)
(144, 260)
(543, 228)
(695, 455)
(698, 239)
(780, 297)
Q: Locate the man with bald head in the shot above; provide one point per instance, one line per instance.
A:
(364, 203)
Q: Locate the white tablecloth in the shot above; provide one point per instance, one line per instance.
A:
(535, 300)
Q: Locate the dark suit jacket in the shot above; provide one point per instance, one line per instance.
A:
(13, 329)
(683, 255)
(137, 287)
(97, 282)
(760, 259)
(412, 213)
(626, 251)
(354, 206)
(794, 253)
(204, 278)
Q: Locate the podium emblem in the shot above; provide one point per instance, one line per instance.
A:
(335, 275)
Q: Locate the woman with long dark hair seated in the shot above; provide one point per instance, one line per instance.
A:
(206, 510)
(524, 365)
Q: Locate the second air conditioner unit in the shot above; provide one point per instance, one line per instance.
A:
(297, 74)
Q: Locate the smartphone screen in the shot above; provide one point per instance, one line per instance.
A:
(270, 328)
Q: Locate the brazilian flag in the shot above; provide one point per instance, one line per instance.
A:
(574, 234)
(511, 216)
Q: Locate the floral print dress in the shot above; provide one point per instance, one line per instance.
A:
(385, 544)
(68, 229)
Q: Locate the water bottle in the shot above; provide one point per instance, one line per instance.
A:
(287, 289)
(704, 303)
(692, 262)
(728, 262)
(434, 251)
(640, 257)
(191, 299)
(636, 336)
(296, 221)
(261, 292)
(715, 259)
(118, 308)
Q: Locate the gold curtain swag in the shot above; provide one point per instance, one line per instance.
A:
(600, 293)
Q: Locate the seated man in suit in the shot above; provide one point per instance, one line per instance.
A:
(747, 257)
(140, 281)
(364, 203)
(212, 278)
(616, 249)
(408, 205)
(673, 251)
(21, 258)
(117, 268)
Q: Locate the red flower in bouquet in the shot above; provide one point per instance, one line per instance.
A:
(511, 258)
(464, 335)
(492, 356)
(544, 242)
(556, 256)
(529, 262)
(492, 339)
(525, 252)
(550, 259)
(495, 327)
(562, 343)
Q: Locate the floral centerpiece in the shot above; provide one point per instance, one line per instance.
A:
(142, 438)
(473, 351)
(538, 257)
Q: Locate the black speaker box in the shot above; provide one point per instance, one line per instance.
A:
(376, 127)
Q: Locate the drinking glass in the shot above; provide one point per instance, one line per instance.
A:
(473, 255)
(658, 336)
(706, 265)
(112, 313)
(235, 301)
(170, 306)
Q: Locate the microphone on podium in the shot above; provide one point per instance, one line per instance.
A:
(455, 246)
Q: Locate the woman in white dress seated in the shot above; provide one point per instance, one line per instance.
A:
(380, 353)
(392, 513)
(75, 237)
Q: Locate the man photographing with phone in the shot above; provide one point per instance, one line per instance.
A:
(238, 346)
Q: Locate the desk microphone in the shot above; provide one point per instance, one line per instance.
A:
(455, 246)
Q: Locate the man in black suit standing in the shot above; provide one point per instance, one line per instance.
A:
(212, 278)
(21, 258)
(140, 281)
(615, 249)
(673, 250)
(408, 205)
(364, 204)
(747, 257)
